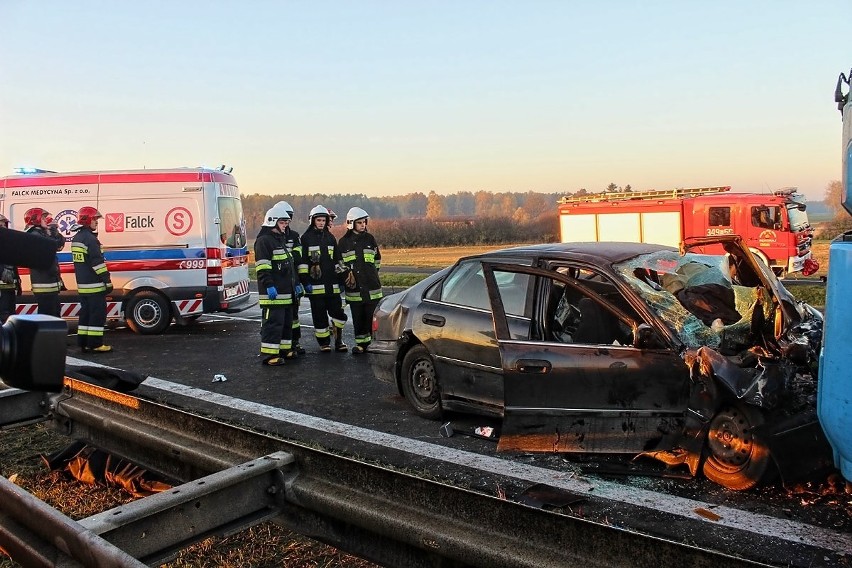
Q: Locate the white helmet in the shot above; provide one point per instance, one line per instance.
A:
(318, 211)
(275, 213)
(287, 207)
(355, 214)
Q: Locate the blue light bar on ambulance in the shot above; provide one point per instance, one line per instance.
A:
(26, 171)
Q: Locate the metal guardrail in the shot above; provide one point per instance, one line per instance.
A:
(385, 516)
(787, 282)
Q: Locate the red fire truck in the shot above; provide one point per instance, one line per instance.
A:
(774, 225)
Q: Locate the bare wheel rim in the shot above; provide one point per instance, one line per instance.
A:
(730, 440)
(423, 380)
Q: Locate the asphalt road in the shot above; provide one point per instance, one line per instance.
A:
(339, 390)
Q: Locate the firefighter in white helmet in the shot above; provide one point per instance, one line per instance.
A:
(294, 246)
(10, 282)
(318, 272)
(276, 286)
(363, 288)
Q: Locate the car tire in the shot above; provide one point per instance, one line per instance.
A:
(148, 313)
(420, 383)
(736, 459)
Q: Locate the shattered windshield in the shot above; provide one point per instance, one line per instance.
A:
(698, 296)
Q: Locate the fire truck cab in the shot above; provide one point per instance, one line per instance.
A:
(774, 225)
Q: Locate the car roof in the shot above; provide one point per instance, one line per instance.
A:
(606, 252)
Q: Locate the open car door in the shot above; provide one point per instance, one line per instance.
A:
(592, 377)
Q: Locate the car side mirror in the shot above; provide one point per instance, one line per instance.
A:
(644, 337)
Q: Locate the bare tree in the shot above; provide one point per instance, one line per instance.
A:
(435, 206)
(833, 196)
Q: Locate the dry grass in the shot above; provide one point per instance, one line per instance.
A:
(266, 544)
(433, 257)
(439, 257)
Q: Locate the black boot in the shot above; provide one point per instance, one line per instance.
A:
(338, 340)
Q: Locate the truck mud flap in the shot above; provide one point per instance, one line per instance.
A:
(798, 447)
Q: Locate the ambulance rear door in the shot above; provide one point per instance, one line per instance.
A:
(226, 240)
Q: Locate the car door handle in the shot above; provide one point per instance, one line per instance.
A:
(538, 366)
(438, 321)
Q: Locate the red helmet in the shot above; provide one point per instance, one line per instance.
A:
(86, 215)
(33, 217)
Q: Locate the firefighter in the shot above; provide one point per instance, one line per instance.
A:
(277, 287)
(294, 247)
(10, 282)
(93, 281)
(363, 288)
(318, 271)
(46, 283)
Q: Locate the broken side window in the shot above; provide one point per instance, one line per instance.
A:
(572, 315)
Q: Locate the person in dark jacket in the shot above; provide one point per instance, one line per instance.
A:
(276, 286)
(294, 247)
(362, 258)
(10, 282)
(93, 281)
(46, 283)
(318, 272)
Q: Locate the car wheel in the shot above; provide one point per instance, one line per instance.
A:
(737, 459)
(148, 313)
(420, 384)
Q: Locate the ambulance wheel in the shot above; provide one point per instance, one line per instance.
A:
(148, 313)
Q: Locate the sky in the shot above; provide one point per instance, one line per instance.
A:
(392, 97)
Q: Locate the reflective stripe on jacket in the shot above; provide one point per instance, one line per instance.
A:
(274, 267)
(320, 256)
(361, 255)
(90, 268)
(47, 280)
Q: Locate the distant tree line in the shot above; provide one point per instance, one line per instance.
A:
(418, 219)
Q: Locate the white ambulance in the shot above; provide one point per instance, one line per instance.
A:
(174, 240)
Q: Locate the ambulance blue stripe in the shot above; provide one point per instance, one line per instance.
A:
(156, 254)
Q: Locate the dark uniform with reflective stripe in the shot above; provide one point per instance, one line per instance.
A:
(294, 246)
(46, 283)
(361, 255)
(10, 284)
(93, 285)
(318, 270)
(274, 266)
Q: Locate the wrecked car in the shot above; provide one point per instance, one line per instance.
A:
(698, 357)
